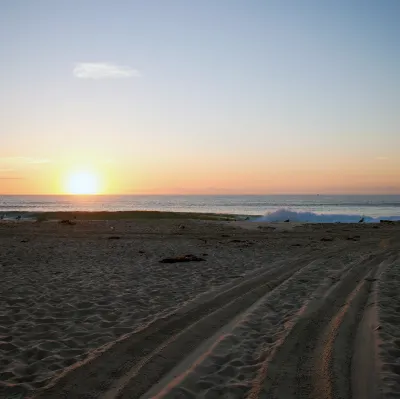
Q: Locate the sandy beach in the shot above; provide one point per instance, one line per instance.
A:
(88, 310)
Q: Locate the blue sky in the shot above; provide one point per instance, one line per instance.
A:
(245, 91)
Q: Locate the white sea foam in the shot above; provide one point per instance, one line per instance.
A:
(283, 214)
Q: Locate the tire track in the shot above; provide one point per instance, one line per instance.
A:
(226, 363)
(140, 360)
(366, 364)
(308, 363)
(332, 367)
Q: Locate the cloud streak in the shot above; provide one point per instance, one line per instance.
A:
(23, 160)
(103, 70)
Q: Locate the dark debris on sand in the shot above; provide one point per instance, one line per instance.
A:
(353, 238)
(184, 258)
(67, 222)
(327, 239)
(388, 222)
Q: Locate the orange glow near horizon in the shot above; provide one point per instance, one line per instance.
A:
(90, 175)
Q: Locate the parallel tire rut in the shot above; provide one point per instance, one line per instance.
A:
(140, 360)
(307, 365)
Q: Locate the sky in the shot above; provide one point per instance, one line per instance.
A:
(200, 96)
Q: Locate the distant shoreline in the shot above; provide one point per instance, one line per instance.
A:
(280, 216)
(319, 209)
(121, 215)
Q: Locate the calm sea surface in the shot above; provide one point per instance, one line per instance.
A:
(365, 205)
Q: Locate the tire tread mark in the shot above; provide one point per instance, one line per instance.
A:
(290, 372)
(98, 374)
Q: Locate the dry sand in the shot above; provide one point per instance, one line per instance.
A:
(274, 311)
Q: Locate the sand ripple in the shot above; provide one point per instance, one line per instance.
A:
(62, 296)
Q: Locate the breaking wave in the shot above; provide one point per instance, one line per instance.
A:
(282, 215)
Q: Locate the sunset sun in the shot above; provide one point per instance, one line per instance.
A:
(82, 183)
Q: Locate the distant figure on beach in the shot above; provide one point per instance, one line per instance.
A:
(2, 216)
(361, 220)
(18, 217)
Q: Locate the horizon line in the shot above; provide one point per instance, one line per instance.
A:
(199, 194)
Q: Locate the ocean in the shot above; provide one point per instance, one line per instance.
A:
(311, 208)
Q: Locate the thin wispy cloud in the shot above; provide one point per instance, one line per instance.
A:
(23, 160)
(38, 161)
(381, 158)
(11, 178)
(103, 70)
